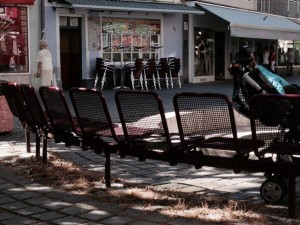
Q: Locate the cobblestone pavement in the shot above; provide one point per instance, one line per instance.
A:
(23, 201)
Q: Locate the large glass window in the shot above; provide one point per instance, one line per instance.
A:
(128, 39)
(204, 51)
(258, 45)
(13, 40)
(283, 47)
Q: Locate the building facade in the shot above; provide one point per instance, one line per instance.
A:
(79, 32)
(226, 24)
(205, 34)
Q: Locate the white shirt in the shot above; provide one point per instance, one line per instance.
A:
(45, 57)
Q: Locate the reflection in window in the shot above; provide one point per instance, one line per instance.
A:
(13, 40)
(203, 42)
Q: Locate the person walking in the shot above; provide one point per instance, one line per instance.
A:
(266, 54)
(246, 56)
(272, 59)
(45, 67)
(290, 62)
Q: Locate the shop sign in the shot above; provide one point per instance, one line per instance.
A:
(130, 26)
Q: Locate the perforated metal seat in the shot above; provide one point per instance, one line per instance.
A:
(96, 125)
(62, 122)
(145, 127)
(36, 113)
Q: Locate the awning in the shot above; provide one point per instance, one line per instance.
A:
(134, 6)
(250, 24)
(21, 2)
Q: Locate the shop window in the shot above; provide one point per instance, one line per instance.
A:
(284, 46)
(204, 51)
(14, 40)
(128, 39)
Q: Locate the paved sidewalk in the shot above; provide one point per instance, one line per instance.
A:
(23, 201)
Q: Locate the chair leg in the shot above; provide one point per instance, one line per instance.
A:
(158, 81)
(27, 138)
(103, 80)
(146, 82)
(45, 149)
(171, 81)
(154, 81)
(107, 170)
(167, 80)
(141, 83)
(38, 144)
(132, 80)
(179, 81)
(96, 81)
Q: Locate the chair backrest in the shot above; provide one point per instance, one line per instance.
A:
(100, 66)
(58, 110)
(92, 112)
(201, 116)
(275, 121)
(34, 106)
(138, 68)
(163, 66)
(150, 67)
(142, 116)
(17, 104)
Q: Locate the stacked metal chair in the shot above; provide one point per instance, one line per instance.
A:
(104, 68)
(150, 73)
(175, 66)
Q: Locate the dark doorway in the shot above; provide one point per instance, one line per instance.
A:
(219, 55)
(70, 53)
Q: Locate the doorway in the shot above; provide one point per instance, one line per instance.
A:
(70, 52)
(219, 55)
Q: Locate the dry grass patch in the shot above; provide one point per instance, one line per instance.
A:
(62, 174)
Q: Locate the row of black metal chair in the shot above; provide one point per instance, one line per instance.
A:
(204, 134)
(143, 73)
(53, 119)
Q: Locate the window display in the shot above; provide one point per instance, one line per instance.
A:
(127, 39)
(204, 51)
(13, 40)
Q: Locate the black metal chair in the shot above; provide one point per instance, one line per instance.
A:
(137, 71)
(163, 72)
(96, 125)
(150, 73)
(207, 128)
(19, 109)
(37, 114)
(145, 126)
(175, 66)
(64, 125)
(104, 69)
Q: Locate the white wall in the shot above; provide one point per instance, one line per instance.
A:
(172, 35)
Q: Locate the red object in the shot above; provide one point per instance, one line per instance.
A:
(22, 2)
(6, 122)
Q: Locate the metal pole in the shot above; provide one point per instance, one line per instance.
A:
(43, 19)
